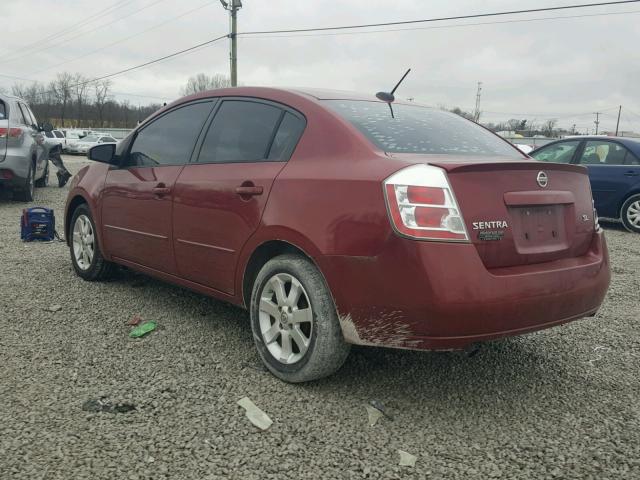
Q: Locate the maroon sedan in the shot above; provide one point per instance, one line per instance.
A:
(335, 223)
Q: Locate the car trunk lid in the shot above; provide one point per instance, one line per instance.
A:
(523, 212)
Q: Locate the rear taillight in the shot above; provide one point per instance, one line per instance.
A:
(6, 174)
(12, 132)
(422, 205)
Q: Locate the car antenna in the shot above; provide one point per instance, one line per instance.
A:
(388, 97)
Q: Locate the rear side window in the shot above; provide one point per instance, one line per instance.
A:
(23, 117)
(240, 132)
(557, 152)
(417, 129)
(598, 152)
(170, 139)
(286, 139)
(58, 134)
(3, 111)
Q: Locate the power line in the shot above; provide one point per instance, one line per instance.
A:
(135, 67)
(188, 12)
(441, 19)
(444, 27)
(64, 31)
(67, 40)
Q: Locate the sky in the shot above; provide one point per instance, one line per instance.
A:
(537, 66)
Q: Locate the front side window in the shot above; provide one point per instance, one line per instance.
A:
(48, 134)
(557, 152)
(598, 152)
(240, 132)
(170, 139)
(417, 129)
(58, 134)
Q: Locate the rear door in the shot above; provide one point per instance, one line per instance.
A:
(136, 200)
(219, 198)
(613, 171)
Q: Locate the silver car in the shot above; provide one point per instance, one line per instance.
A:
(23, 154)
(85, 143)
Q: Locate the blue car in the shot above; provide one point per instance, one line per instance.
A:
(614, 172)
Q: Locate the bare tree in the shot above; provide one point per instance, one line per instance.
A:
(202, 82)
(80, 93)
(101, 90)
(548, 127)
(61, 89)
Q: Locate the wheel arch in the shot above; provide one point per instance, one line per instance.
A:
(265, 251)
(634, 191)
(74, 203)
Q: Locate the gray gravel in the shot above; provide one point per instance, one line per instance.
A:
(563, 403)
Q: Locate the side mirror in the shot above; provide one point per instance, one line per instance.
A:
(105, 153)
(47, 127)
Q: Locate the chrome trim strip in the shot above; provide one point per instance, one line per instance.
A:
(145, 234)
(206, 245)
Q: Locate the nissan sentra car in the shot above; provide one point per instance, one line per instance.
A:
(339, 219)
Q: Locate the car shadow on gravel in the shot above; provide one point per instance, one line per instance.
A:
(519, 365)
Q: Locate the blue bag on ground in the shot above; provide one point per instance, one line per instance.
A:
(37, 223)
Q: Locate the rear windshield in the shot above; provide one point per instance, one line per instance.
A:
(417, 129)
(90, 138)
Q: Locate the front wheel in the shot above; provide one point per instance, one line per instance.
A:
(86, 255)
(294, 321)
(630, 213)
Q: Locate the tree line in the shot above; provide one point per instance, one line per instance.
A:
(71, 100)
(524, 127)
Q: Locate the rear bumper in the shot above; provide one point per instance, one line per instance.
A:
(18, 168)
(423, 295)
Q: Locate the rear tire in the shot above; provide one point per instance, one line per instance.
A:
(26, 193)
(86, 255)
(294, 321)
(630, 213)
(44, 181)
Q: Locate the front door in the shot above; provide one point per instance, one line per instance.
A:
(136, 200)
(220, 197)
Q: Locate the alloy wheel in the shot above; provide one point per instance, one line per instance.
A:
(286, 318)
(83, 242)
(633, 214)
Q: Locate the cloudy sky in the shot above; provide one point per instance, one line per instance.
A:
(537, 67)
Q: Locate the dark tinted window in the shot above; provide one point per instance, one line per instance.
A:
(417, 129)
(3, 110)
(58, 134)
(286, 138)
(107, 139)
(561, 152)
(240, 132)
(170, 139)
(48, 134)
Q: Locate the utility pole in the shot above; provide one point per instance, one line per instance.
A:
(233, 6)
(476, 113)
(618, 122)
(597, 122)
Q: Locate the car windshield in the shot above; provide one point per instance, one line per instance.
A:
(418, 129)
(90, 138)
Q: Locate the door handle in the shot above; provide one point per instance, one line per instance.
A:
(631, 173)
(248, 190)
(160, 191)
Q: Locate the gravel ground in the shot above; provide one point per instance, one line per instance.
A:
(563, 403)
